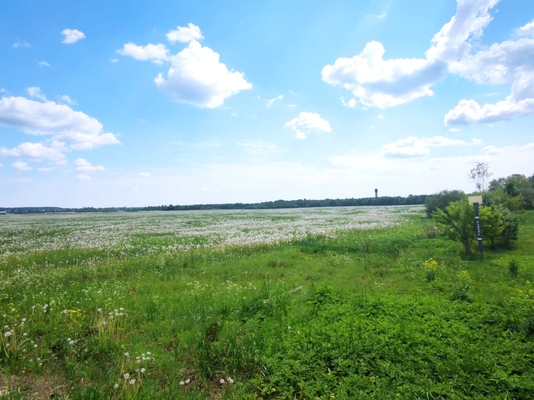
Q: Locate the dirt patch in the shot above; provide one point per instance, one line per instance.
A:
(30, 386)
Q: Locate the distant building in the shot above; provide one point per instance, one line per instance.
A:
(376, 193)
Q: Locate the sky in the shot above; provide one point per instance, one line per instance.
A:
(137, 103)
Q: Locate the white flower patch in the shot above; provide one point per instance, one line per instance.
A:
(168, 231)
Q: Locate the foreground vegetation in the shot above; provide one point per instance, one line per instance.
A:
(346, 303)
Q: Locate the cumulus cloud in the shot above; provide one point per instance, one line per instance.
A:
(307, 123)
(471, 112)
(157, 53)
(413, 146)
(526, 30)
(36, 151)
(509, 62)
(43, 64)
(185, 34)
(85, 166)
(67, 129)
(197, 77)
(36, 92)
(270, 102)
(21, 166)
(378, 82)
(71, 36)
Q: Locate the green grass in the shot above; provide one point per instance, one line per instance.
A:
(347, 317)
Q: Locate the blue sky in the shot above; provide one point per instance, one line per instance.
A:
(132, 103)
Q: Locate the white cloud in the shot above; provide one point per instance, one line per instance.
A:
(352, 103)
(43, 64)
(452, 42)
(185, 34)
(307, 123)
(36, 151)
(82, 177)
(378, 82)
(83, 165)
(157, 53)
(58, 120)
(419, 147)
(21, 43)
(144, 174)
(114, 60)
(526, 30)
(68, 100)
(507, 62)
(36, 92)
(271, 101)
(21, 166)
(490, 150)
(197, 77)
(71, 36)
(454, 130)
(470, 112)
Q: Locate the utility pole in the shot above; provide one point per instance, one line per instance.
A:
(476, 201)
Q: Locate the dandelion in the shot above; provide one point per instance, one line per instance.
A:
(34, 346)
(126, 376)
(7, 334)
(230, 380)
(99, 310)
(65, 312)
(221, 381)
(126, 354)
(182, 383)
(143, 370)
(187, 381)
(132, 381)
(116, 386)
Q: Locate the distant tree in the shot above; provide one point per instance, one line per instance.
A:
(479, 175)
(442, 200)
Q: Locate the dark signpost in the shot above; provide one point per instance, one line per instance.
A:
(475, 201)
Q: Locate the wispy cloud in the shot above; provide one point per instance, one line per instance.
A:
(270, 102)
(21, 44)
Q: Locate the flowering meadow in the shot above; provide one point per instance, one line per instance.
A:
(347, 302)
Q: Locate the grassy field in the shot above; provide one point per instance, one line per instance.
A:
(345, 303)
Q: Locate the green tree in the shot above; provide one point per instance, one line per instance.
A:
(458, 221)
(442, 200)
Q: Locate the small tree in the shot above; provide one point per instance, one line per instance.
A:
(480, 175)
(458, 221)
